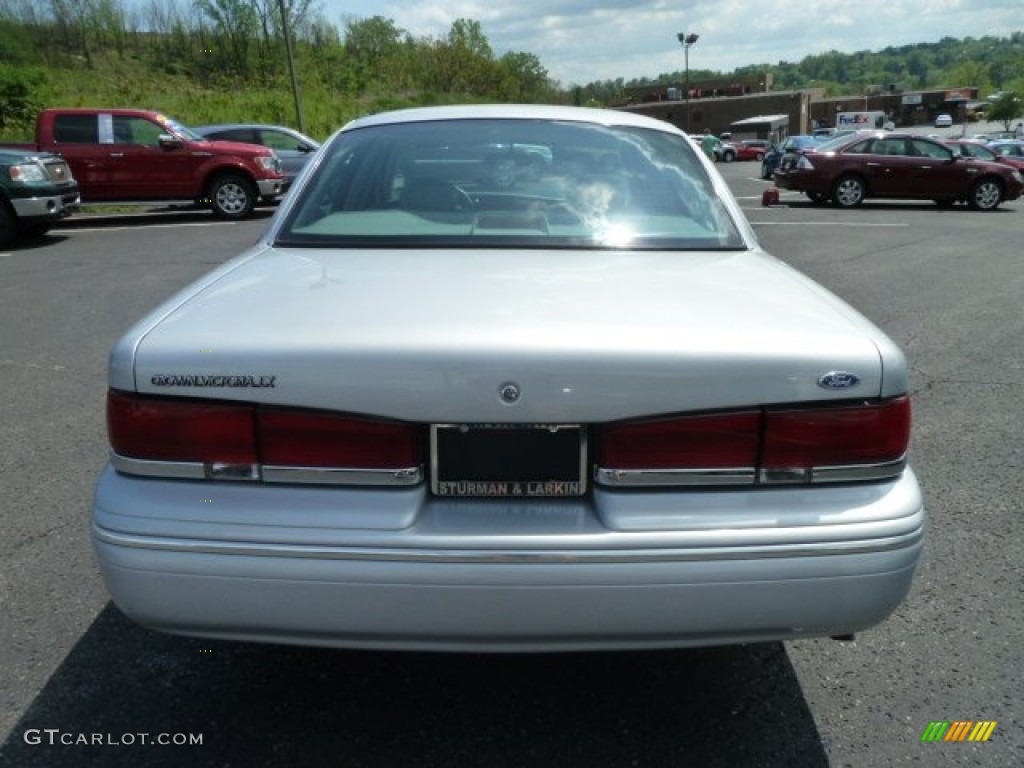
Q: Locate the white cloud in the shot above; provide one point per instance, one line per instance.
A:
(580, 41)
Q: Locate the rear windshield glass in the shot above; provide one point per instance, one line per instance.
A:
(515, 183)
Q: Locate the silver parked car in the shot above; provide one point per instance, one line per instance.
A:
(292, 147)
(440, 406)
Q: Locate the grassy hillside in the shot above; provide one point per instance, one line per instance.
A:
(111, 82)
(216, 68)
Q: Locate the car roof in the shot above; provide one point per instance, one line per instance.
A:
(883, 134)
(203, 130)
(514, 111)
(238, 126)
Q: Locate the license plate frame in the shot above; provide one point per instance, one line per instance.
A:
(475, 460)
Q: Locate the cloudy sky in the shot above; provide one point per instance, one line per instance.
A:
(581, 41)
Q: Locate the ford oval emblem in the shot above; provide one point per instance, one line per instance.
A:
(838, 380)
(509, 392)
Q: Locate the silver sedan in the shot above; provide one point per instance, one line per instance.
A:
(294, 148)
(454, 401)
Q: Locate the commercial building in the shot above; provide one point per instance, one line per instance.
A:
(716, 105)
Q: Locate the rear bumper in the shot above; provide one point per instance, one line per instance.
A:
(798, 182)
(560, 582)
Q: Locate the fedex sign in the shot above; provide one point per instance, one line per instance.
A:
(860, 121)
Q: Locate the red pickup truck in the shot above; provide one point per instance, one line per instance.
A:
(136, 155)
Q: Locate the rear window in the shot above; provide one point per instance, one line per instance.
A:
(244, 135)
(514, 183)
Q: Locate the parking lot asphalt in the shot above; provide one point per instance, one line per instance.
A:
(945, 284)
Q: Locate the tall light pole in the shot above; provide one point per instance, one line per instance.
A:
(296, 93)
(686, 39)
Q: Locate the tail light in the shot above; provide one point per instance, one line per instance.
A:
(158, 429)
(802, 163)
(306, 439)
(195, 438)
(186, 438)
(837, 436)
(841, 443)
(712, 442)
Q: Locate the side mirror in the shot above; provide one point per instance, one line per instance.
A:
(166, 141)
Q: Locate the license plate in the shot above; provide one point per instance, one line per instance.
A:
(513, 460)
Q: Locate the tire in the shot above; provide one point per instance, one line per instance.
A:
(849, 192)
(759, 156)
(985, 195)
(231, 196)
(728, 156)
(8, 227)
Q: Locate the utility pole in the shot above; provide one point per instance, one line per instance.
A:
(291, 67)
(686, 39)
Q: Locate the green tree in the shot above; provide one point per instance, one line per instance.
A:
(523, 77)
(1007, 108)
(970, 73)
(270, 43)
(462, 64)
(236, 24)
(18, 105)
(470, 59)
(373, 51)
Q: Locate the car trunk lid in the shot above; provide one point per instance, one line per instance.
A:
(435, 335)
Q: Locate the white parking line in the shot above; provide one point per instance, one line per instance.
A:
(147, 226)
(822, 224)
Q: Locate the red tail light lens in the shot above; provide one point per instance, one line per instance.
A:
(163, 429)
(816, 444)
(821, 437)
(220, 433)
(302, 439)
(706, 442)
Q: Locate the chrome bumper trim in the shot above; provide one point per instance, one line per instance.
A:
(191, 470)
(854, 473)
(167, 470)
(740, 476)
(562, 556)
(342, 476)
(670, 477)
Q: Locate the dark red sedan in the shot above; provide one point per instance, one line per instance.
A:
(883, 164)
